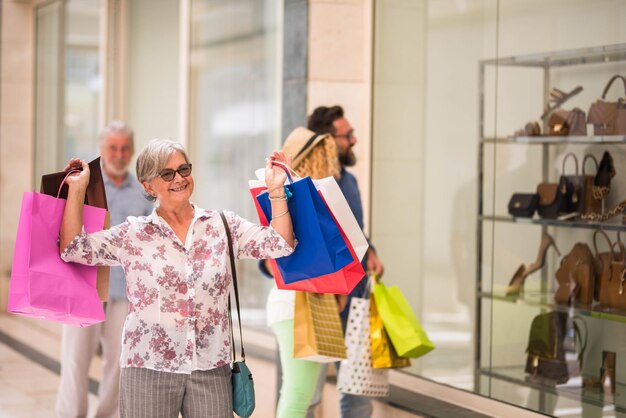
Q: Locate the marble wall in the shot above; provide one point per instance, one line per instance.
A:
(16, 124)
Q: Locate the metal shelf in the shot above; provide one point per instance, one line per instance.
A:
(573, 389)
(541, 140)
(596, 55)
(607, 226)
(545, 300)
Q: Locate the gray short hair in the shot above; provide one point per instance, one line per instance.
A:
(117, 126)
(152, 159)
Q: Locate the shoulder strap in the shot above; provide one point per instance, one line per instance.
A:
(233, 271)
(581, 338)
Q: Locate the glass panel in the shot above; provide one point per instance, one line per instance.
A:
(83, 83)
(48, 87)
(68, 83)
(488, 74)
(427, 99)
(234, 112)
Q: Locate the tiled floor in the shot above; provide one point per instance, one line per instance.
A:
(29, 354)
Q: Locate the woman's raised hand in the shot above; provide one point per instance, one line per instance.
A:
(275, 176)
(78, 180)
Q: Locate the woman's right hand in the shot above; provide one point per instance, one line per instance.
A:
(78, 180)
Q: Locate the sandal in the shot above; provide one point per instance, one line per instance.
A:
(557, 98)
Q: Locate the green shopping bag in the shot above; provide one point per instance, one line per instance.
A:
(401, 324)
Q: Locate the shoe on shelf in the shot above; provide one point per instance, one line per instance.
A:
(557, 98)
(516, 285)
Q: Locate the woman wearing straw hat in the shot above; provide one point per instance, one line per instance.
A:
(314, 156)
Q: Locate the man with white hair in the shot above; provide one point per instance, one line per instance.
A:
(79, 345)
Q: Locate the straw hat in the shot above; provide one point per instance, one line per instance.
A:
(300, 143)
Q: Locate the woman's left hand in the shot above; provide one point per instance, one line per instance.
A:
(275, 176)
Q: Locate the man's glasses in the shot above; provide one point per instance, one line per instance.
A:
(168, 174)
(349, 136)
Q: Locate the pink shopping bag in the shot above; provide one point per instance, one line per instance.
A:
(42, 285)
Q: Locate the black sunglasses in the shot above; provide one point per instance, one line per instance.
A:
(348, 136)
(168, 174)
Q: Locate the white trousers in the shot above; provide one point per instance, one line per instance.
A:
(78, 347)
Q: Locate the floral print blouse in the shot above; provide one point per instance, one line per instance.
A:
(178, 292)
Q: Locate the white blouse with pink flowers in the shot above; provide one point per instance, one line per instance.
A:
(178, 314)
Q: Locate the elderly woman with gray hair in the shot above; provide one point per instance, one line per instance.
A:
(175, 346)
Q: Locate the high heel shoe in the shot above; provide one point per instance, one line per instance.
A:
(517, 282)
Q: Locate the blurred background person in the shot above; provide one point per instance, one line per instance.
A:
(331, 120)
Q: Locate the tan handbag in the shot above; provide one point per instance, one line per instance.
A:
(568, 122)
(591, 202)
(576, 276)
(317, 332)
(611, 269)
(609, 118)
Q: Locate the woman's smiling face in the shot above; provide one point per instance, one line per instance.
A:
(176, 191)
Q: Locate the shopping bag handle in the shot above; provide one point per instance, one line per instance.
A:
(368, 286)
(69, 173)
(288, 170)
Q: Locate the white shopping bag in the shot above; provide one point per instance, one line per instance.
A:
(356, 374)
(336, 201)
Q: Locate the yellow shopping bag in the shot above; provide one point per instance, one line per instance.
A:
(384, 356)
(317, 333)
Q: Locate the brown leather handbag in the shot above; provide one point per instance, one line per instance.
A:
(555, 199)
(609, 118)
(591, 202)
(94, 196)
(560, 198)
(576, 276)
(611, 269)
(568, 122)
(577, 202)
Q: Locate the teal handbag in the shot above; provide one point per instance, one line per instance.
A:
(243, 385)
(243, 390)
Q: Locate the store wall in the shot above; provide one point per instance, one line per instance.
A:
(16, 124)
(339, 72)
(153, 69)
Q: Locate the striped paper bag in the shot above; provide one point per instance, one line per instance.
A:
(317, 328)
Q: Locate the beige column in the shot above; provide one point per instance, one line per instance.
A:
(16, 124)
(399, 141)
(339, 71)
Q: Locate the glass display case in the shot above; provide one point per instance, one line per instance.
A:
(565, 358)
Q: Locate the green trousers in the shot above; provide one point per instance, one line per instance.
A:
(299, 376)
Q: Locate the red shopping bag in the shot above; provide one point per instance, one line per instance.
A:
(42, 284)
(339, 282)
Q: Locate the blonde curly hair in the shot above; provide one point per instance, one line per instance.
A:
(322, 161)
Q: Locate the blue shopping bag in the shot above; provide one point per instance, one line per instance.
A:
(321, 247)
